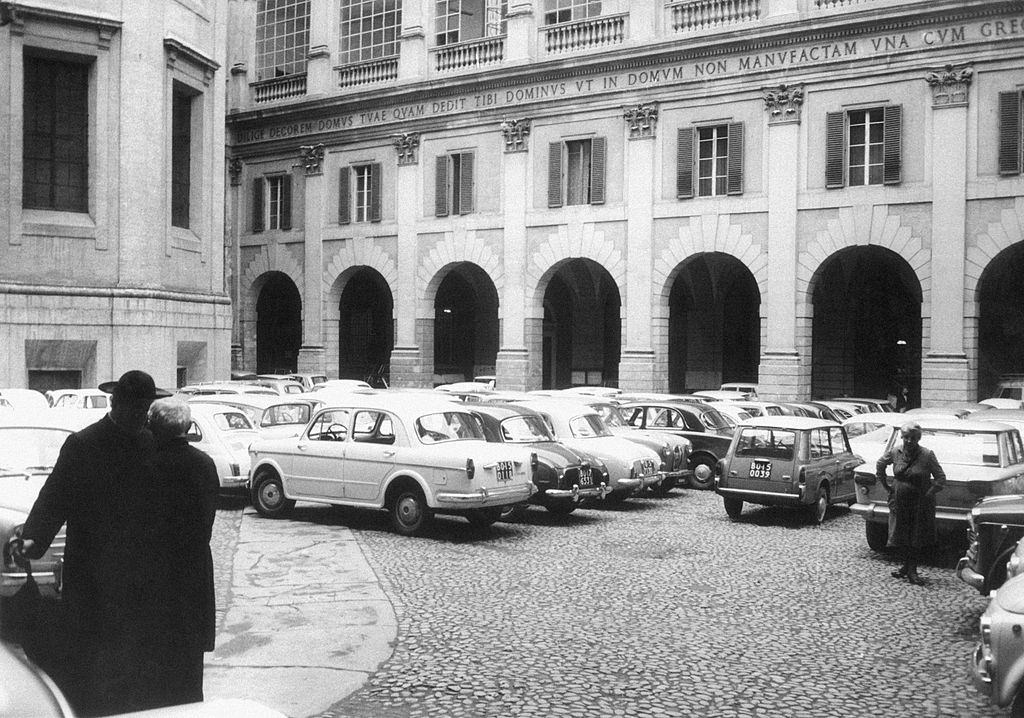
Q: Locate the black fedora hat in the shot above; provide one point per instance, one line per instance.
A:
(135, 384)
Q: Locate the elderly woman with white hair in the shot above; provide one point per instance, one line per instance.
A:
(184, 511)
(918, 477)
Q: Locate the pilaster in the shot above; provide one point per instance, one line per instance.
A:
(513, 370)
(312, 349)
(407, 185)
(640, 126)
(412, 58)
(521, 40)
(636, 370)
(515, 173)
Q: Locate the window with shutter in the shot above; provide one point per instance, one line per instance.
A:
(362, 192)
(684, 163)
(734, 183)
(555, 174)
(465, 184)
(1010, 132)
(286, 202)
(893, 142)
(344, 197)
(375, 198)
(257, 204)
(441, 186)
(599, 156)
(712, 160)
(835, 126)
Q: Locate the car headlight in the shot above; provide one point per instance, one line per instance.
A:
(1013, 566)
(986, 631)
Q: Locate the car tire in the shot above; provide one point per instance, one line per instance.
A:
(561, 508)
(268, 496)
(996, 575)
(409, 512)
(816, 512)
(483, 518)
(616, 498)
(703, 476)
(877, 535)
(513, 512)
(733, 507)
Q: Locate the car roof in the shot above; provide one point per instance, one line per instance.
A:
(502, 411)
(997, 414)
(397, 402)
(560, 405)
(200, 409)
(961, 425)
(741, 384)
(788, 422)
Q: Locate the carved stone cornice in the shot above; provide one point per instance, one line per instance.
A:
(312, 159)
(642, 120)
(783, 103)
(177, 49)
(515, 132)
(949, 85)
(406, 145)
(235, 170)
(15, 13)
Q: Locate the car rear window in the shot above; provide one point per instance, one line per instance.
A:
(448, 426)
(713, 420)
(767, 443)
(523, 429)
(971, 449)
(232, 421)
(587, 426)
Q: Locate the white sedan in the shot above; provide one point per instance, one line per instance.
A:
(224, 433)
(410, 454)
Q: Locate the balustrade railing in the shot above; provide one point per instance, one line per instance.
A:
(279, 88)
(826, 4)
(473, 53)
(704, 14)
(369, 72)
(586, 34)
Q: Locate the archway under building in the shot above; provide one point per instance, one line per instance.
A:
(714, 331)
(866, 327)
(1000, 299)
(465, 325)
(366, 330)
(278, 325)
(582, 340)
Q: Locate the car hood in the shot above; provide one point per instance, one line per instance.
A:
(1001, 508)
(613, 449)
(555, 454)
(18, 492)
(644, 439)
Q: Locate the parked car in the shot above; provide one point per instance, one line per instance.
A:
(224, 434)
(998, 661)
(813, 410)
(563, 477)
(79, 399)
(733, 412)
(213, 388)
(29, 399)
(994, 526)
(980, 458)
(997, 403)
(252, 405)
(788, 461)
(1013, 417)
(308, 381)
(717, 396)
(868, 404)
(409, 454)
(280, 384)
(1011, 386)
(708, 431)
(746, 389)
(870, 432)
(842, 409)
(762, 408)
(286, 417)
(341, 385)
(631, 467)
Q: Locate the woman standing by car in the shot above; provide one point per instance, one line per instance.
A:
(918, 477)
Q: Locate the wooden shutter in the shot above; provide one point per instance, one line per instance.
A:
(441, 186)
(555, 174)
(257, 204)
(375, 192)
(892, 119)
(835, 146)
(734, 173)
(344, 196)
(466, 183)
(286, 202)
(684, 163)
(1009, 133)
(598, 161)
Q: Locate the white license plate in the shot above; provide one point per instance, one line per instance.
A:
(760, 469)
(504, 471)
(586, 476)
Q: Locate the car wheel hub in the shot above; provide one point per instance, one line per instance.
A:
(702, 472)
(270, 495)
(408, 510)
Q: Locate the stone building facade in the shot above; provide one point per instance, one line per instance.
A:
(824, 196)
(111, 221)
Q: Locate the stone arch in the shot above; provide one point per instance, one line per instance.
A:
(560, 248)
(256, 272)
(455, 248)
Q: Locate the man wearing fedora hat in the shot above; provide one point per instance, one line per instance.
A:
(99, 488)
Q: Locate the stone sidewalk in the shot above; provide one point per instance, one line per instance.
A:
(307, 621)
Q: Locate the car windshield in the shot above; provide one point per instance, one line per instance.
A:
(610, 415)
(713, 420)
(448, 426)
(286, 414)
(956, 447)
(232, 421)
(769, 443)
(588, 426)
(24, 448)
(524, 429)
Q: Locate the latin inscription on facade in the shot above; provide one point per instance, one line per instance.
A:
(793, 58)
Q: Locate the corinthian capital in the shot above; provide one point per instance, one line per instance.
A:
(406, 145)
(515, 133)
(641, 119)
(949, 85)
(783, 103)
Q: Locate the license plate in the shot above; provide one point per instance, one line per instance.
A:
(648, 467)
(504, 471)
(586, 476)
(760, 469)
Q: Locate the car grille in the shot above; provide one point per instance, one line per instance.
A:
(582, 475)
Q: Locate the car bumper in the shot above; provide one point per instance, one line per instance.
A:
(484, 497)
(968, 575)
(578, 494)
(653, 480)
(946, 519)
(49, 582)
(768, 498)
(981, 676)
(232, 482)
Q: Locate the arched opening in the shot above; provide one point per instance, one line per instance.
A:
(366, 333)
(278, 325)
(1001, 319)
(714, 331)
(465, 325)
(866, 331)
(582, 327)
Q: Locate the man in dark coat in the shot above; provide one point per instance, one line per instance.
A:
(95, 488)
(184, 505)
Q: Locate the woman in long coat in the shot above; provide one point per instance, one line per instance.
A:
(918, 477)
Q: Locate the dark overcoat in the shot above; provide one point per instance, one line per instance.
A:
(911, 508)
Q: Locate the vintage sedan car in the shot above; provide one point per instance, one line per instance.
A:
(994, 526)
(409, 454)
(708, 432)
(998, 661)
(224, 434)
(286, 417)
(631, 467)
(79, 398)
(788, 461)
(733, 413)
(563, 477)
(980, 458)
(870, 432)
(29, 446)
(745, 389)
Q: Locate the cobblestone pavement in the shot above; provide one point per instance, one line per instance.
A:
(663, 608)
(223, 543)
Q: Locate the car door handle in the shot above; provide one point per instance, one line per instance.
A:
(389, 453)
(303, 447)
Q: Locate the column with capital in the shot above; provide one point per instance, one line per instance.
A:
(784, 370)
(407, 366)
(945, 375)
(636, 362)
(311, 353)
(516, 367)
(232, 257)
(521, 41)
